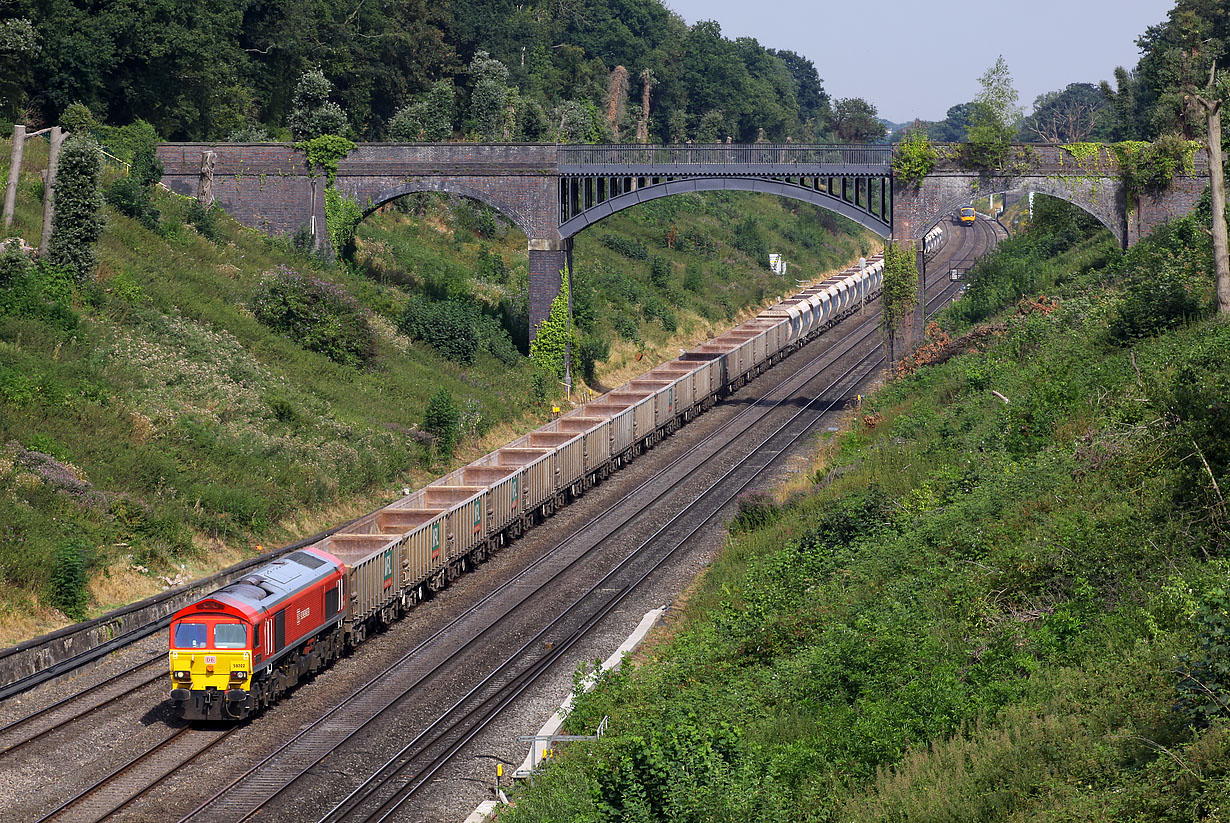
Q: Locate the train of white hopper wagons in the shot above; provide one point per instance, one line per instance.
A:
(239, 649)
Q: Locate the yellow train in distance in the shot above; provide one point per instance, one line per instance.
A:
(965, 215)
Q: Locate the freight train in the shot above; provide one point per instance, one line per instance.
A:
(241, 648)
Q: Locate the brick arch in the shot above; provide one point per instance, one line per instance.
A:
(446, 186)
(1100, 197)
(697, 184)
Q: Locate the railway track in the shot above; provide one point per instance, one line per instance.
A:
(416, 764)
(114, 792)
(264, 783)
(41, 723)
(443, 735)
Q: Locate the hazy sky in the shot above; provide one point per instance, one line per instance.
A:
(915, 59)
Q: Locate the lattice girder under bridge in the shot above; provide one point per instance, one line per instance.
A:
(597, 181)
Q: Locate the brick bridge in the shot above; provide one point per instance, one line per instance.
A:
(552, 192)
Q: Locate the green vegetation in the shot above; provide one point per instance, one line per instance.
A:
(999, 596)
(676, 265)
(899, 293)
(549, 346)
(318, 315)
(914, 158)
(78, 220)
(601, 71)
(149, 416)
(1148, 168)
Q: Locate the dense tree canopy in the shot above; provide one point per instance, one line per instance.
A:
(207, 70)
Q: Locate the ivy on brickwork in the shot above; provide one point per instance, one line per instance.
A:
(914, 158)
(1149, 168)
(1144, 168)
(326, 152)
(342, 216)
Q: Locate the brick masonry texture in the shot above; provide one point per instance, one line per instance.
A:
(545, 281)
(1093, 184)
(268, 186)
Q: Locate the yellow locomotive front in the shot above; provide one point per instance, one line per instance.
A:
(211, 665)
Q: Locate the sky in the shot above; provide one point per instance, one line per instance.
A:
(914, 59)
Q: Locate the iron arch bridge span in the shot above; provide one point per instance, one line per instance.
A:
(584, 202)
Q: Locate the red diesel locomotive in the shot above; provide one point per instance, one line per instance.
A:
(234, 652)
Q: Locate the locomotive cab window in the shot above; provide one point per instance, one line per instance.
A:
(191, 635)
(230, 636)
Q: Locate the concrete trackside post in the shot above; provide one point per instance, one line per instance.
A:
(10, 193)
(49, 188)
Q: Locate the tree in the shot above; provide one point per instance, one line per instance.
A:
(18, 46)
(1068, 116)
(955, 125)
(488, 96)
(712, 127)
(78, 222)
(995, 120)
(442, 420)
(856, 121)
(898, 294)
(1210, 102)
(427, 119)
(312, 112)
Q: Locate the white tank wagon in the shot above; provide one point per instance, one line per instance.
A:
(398, 555)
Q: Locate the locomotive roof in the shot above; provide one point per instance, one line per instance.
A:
(270, 584)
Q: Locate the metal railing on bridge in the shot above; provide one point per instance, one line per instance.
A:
(726, 158)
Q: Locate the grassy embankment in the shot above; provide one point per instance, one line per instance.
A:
(152, 430)
(980, 607)
(665, 274)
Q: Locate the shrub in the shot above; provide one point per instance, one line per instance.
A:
(45, 292)
(429, 118)
(914, 158)
(694, 278)
(1151, 307)
(77, 223)
(78, 119)
(1149, 168)
(1204, 684)
(442, 420)
(66, 588)
(660, 272)
(319, 316)
(312, 113)
(447, 326)
(342, 216)
(476, 219)
(457, 330)
(754, 510)
(14, 263)
(629, 247)
(590, 352)
(750, 241)
(205, 220)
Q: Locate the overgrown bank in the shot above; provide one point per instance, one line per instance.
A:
(1001, 596)
(205, 390)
